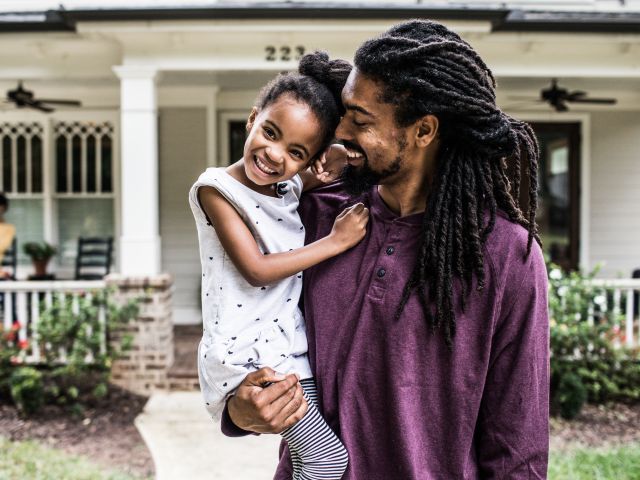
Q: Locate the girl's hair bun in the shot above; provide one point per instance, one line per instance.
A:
(316, 65)
(331, 73)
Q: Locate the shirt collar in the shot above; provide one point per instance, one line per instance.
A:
(383, 212)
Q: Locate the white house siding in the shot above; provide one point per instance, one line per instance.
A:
(183, 142)
(615, 192)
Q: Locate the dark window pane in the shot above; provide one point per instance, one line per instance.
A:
(22, 164)
(61, 164)
(6, 164)
(76, 156)
(558, 194)
(553, 214)
(91, 164)
(107, 180)
(237, 137)
(36, 165)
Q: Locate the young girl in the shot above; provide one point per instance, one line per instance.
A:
(253, 254)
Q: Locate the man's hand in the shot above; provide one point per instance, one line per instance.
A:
(267, 409)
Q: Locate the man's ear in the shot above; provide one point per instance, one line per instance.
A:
(427, 130)
(252, 118)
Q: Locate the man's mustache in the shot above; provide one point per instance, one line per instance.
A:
(352, 146)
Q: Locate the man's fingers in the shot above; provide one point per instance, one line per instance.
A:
(263, 376)
(296, 414)
(276, 390)
(286, 404)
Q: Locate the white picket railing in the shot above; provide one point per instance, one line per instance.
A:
(625, 297)
(24, 302)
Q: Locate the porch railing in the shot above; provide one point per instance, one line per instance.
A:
(622, 299)
(24, 302)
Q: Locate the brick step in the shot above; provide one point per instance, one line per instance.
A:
(183, 374)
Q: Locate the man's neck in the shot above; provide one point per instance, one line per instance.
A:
(406, 196)
(404, 199)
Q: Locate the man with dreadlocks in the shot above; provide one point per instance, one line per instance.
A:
(429, 339)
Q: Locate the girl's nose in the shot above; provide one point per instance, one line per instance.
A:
(274, 154)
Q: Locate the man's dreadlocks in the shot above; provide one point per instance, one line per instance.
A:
(424, 69)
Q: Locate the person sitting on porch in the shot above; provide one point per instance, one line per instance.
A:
(253, 254)
(7, 232)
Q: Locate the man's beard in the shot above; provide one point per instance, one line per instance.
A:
(358, 180)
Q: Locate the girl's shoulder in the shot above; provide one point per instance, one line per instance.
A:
(219, 179)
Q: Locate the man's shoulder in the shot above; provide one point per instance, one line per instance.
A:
(510, 262)
(508, 240)
(325, 199)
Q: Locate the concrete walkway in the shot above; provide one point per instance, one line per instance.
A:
(186, 444)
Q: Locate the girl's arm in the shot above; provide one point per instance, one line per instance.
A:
(259, 269)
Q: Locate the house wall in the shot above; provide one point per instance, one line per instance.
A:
(183, 142)
(615, 192)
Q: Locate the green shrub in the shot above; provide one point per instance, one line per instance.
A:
(81, 376)
(571, 395)
(587, 346)
(27, 389)
(12, 353)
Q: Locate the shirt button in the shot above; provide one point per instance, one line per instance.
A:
(390, 250)
(381, 272)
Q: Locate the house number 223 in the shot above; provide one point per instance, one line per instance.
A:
(284, 53)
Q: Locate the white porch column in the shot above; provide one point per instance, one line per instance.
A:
(140, 240)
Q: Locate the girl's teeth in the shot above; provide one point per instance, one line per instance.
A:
(263, 167)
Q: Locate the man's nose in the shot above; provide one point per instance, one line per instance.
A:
(342, 132)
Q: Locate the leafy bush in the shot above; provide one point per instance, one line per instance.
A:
(75, 349)
(39, 250)
(12, 353)
(587, 347)
(27, 390)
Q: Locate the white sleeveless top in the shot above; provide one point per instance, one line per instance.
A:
(246, 328)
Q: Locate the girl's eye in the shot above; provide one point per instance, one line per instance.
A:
(270, 133)
(298, 154)
(359, 124)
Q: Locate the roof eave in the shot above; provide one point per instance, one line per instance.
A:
(289, 11)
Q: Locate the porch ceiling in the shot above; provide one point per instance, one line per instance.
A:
(509, 91)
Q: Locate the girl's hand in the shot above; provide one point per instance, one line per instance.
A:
(329, 165)
(350, 226)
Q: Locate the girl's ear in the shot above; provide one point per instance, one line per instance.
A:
(252, 118)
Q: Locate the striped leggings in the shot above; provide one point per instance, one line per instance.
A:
(316, 452)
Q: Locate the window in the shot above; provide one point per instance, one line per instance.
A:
(84, 184)
(558, 191)
(237, 137)
(59, 173)
(22, 178)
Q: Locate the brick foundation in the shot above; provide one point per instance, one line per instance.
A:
(144, 369)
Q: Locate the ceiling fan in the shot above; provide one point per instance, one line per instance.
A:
(558, 97)
(23, 98)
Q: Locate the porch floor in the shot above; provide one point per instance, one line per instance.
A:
(183, 374)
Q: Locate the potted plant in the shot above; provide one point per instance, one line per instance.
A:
(40, 253)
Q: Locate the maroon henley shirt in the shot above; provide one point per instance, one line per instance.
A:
(404, 406)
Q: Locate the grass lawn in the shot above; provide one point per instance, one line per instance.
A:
(30, 460)
(36, 462)
(619, 463)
